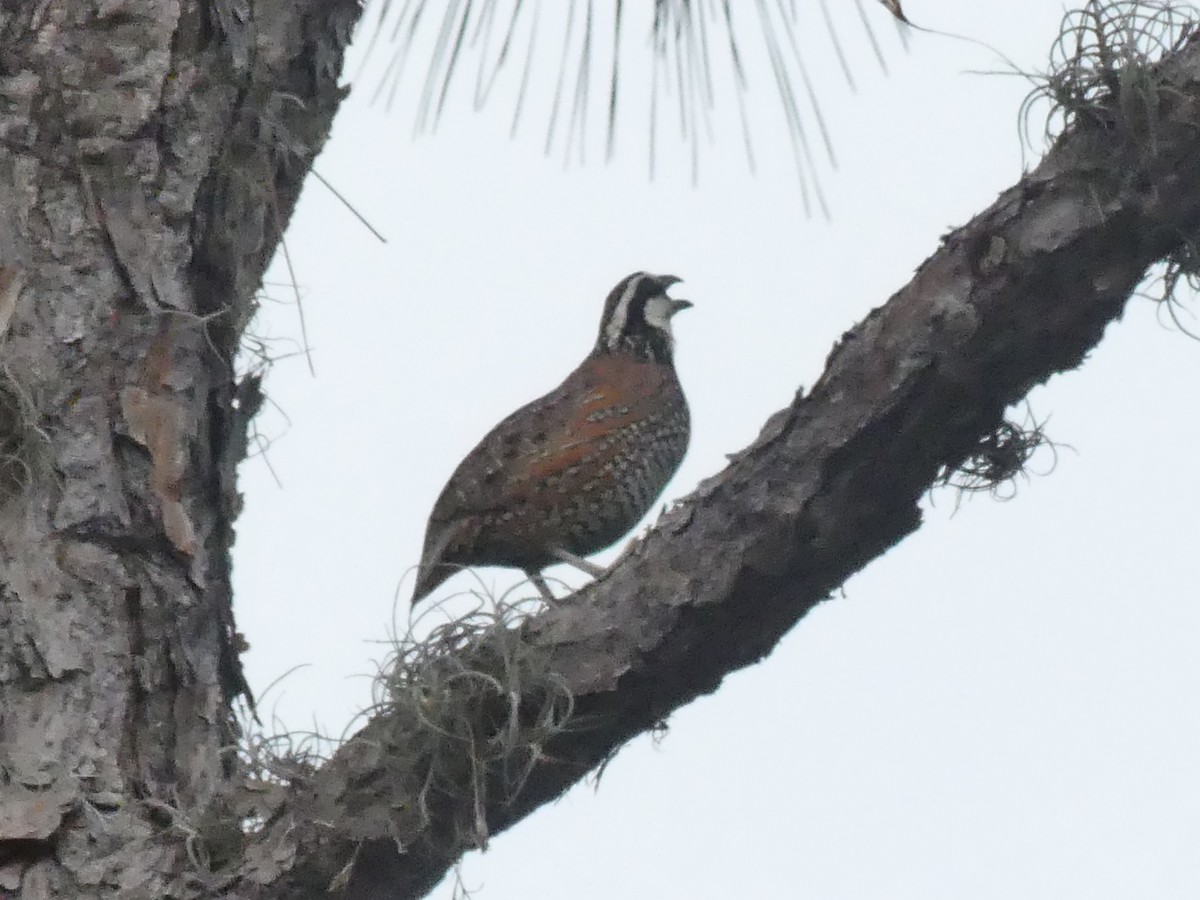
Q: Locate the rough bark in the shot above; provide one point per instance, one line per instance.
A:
(152, 151)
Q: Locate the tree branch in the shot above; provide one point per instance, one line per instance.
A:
(1021, 292)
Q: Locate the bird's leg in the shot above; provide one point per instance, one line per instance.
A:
(578, 562)
(536, 579)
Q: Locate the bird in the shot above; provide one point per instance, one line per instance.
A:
(570, 473)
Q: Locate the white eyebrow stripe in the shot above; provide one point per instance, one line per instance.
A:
(615, 325)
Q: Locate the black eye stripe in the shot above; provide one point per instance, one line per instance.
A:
(647, 288)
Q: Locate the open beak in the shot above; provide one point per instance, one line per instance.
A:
(665, 282)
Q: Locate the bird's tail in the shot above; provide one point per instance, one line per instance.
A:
(432, 571)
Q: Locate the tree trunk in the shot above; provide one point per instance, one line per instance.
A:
(154, 152)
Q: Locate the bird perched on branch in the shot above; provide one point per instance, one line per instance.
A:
(570, 473)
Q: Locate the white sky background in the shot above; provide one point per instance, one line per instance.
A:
(1002, 707)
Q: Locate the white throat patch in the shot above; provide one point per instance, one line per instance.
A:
(658, 315)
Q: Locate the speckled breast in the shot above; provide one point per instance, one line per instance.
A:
(618, 483)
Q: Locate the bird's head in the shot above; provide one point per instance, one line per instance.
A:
(637, 317)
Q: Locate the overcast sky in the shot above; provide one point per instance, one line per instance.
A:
(1004, 706)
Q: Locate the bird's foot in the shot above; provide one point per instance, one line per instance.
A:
(536, 579)
(578, 562)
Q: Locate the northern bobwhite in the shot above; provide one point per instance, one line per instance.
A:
(570, 473)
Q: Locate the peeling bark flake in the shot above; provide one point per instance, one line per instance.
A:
(12, 280)
(156, 422)
(137, 236)
(27, 815)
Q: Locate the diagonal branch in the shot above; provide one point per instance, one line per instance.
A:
(1021, 292)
